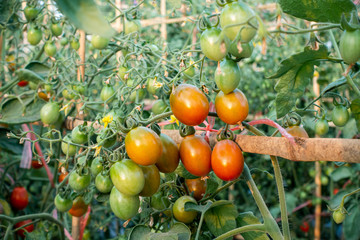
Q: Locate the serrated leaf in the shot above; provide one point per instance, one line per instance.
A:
(248, 218)
(351, 232)
(355, 109)
(16, 112)
(178, 231)
(211, 186)
(39, 68)
(341, 173)
(294, 75)
(318, 10)
(85, 15)
(221, 218)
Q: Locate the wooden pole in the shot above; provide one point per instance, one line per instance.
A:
(163, 15)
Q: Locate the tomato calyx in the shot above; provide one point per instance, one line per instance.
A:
(156, 128)
(204, 23)
(291, 120)
(185, 130)
(225, 134)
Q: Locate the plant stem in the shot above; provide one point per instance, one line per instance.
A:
(331, 26)
(200, 224)
(348, 78)
(247, 228)
(220, 189)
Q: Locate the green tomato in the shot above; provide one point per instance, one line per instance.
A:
(159, 107)
(150, 86)
(64, 41)
(50, 113)
(213, 44)
(56, 29)
(189, 73)
(122, 72)
(63, 204)
(34, 36)
(50, 48)
(99, 42)
(79, 182)
(152, 180)
(68, 148)
(30, 13)
(127, 177)
(241, 50)
(321, 127)
(103, 183)
(68, 94)
(74, 44)
(79, 137)
(106, 92)
(96, 166)
(350, 46)
(227, 76)
(338, 216)
(132, 26)
(179, 210)
(340, 116)
(33, 85)
(324, 180)
(237, 13)
(139, 94)
(124, 206)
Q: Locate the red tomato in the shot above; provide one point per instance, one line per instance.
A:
(35, 164)
(79, 207)
(29, 228)
(62, 177)
(189, 105)
(19, 198)
(305, 227)
(195, 153)
(22, 83)
(227, 160)
(233, 107)
(336, 190)
(197, 186)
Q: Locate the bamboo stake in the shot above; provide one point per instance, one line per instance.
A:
(163, 24)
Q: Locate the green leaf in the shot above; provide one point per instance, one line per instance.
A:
(182, 172)
(248, 218)
(15, 112)
(200, 208)
(221, 217)
(178, 231)
(350, 231)
(334, 85)
(291, 201)
(39, 68)
(28, 75)
(341, 173)
(6, 8)
(336, 199)
(85, 15)
(211, 185)
(318, 10)
(10, 145)
(294, 75)
(355, 109)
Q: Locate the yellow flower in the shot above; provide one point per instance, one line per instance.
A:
(192, 62)
(173, 119)
(65, 107)
(316, 74)
(106, 120)
(97, 151)
(156, 84)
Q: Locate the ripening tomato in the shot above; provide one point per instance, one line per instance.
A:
(339, 216)
(321, 127)
(64, 41)
(233, 107)
(103, 183)
(74, 44)
(29, 228)
(78, 136)
(227, 160)
(170, 157)
(79, 182)
(189, 105)
(22, 83)
(127, 177)
(19, 198)
(196, 186)
(152, 180)
(237, 13)
(63, 204)
(99, 42)
(36, 164)
(62, 176)
(195, 154)
(214, 44)
(151, 87)
(297, 131)
(179, 210)
(143, 146)
(79, 207)
(159, 107)
(137, 95)
(122, 72)
(227, 76)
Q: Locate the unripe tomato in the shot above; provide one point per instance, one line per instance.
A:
(237, 13)
(99, 42)
(50, 48)
(152, 180)
(143, 146)
(321, 127)
(189, 73)
(297, 131)
(340, 116)
(56, 29)
(124, 206)
(241, 50)
(122, 72)
(35, 164)
(150, 86)
(139, 94)
(127, 177)
(50, 113)
(67, 148)
(196, 186)
(106, 92)
(68, 94)
(30, 13)
(79, 182)
(23, 83)
(63, 204)
(77, 136)
(189, 105)
(214, 44)
(170, 157)
(19, 198)
(158, 107)
(227, 160)
(79, 207)
(195, 154)
(179, 210)
(96, 166)
(350, 46)
(132, 26)
(29, 228)
(233, 107)
(34, 36)
(338, 216)
(74, 44)
(324, 180)
(64, 41)
(227, 76)
(103, 183)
